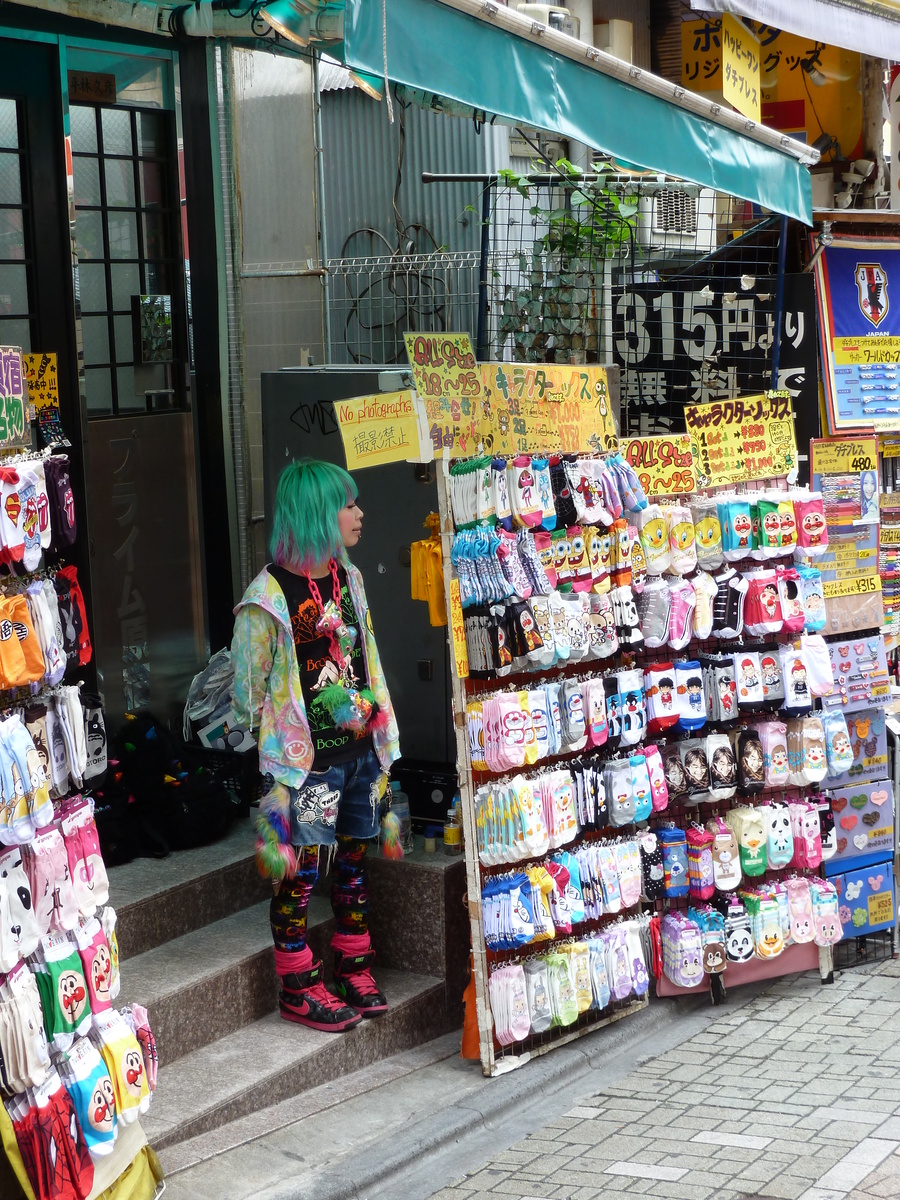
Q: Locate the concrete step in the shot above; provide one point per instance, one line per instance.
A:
(208, 983)
(160, 899)
(271, 1060)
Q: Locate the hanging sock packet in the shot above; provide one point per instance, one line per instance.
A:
(812, 528)
(707, 533)
(654, 537)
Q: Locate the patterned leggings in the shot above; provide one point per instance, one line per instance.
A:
(349, 894)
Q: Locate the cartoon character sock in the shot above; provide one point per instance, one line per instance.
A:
(594, 699)
(652, 874)
(660, 696)
(837, 743)
(813, 598)
(654, 536)
(64, 994)
(737, 527)
(795, 673)
(654, 606)
(691, 695)
(722, 766)
(632, 709)
(93, 950)
(818, 664)
(747, 673)
(87, 1081)
(812, 528)
(124, 1061)
(604, 637)
(701, 878)
(705, 591)
(707, 533)
(19, 933)
(726, 856)
(779, 838)
(682, 602)
(562, 493)
(682, 549)
(696, 769)
(500, 493)
(675, 864)
(773, 738)
(537, 987)
(526, 504)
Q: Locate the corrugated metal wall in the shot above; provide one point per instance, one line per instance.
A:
(360, 164)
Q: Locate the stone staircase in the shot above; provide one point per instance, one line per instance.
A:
(195, 949)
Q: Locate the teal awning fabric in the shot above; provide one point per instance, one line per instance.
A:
(437, 49)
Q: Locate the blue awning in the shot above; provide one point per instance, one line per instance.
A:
(476, 62)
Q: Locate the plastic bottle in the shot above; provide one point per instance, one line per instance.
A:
(453, 831)
(400, 807)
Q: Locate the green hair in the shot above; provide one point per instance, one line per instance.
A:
(305, 523)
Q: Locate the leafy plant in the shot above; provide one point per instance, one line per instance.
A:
(553, 312)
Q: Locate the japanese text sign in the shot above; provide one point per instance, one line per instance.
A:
(379, 429)
(734, 441)
(536, 407)
(740, 67)
(664, 465)
(448, 381)
(42, 377)
(13, 424)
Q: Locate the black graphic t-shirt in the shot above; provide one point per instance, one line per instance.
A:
(317, 667)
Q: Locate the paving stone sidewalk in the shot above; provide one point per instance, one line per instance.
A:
(794, 1096)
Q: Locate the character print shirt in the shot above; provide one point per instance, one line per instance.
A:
(317, 667)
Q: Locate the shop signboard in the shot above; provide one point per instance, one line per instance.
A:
(664, 465)
(712, 340)
(546, 407)
(858, 295)
(740, 67)
(749, 438)
(824, 95)
(14, 430)
(448, 381)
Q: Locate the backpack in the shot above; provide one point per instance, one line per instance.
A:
(682, 949)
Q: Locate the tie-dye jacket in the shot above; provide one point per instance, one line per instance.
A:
(268, 694)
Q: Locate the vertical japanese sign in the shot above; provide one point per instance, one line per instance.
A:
(535, 407)
(378, 429)
(823, 96)
(448, 381)
(858, 294)
(42, 377)
(740, 67)
(13, 424)
(735, 441)
(458, 631)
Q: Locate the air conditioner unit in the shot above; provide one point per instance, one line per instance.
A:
(555, 16)
(677, 216)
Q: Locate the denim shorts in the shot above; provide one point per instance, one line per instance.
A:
(344, 799)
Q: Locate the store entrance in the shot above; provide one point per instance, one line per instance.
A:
(118, 324)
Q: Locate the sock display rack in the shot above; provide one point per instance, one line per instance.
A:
(75, 1072)
(669, 741)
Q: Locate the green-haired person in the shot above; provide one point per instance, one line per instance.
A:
(308, 682)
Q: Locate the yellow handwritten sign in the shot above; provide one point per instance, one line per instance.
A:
(740, 67)
(447, 379)
(378, 429)
(862, 586)
(881, 909)
(844, 456)
(751, 437)
(458, 630)
(42, 377)
(664, 465)
(536, 407)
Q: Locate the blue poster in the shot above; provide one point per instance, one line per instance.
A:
(858, 296)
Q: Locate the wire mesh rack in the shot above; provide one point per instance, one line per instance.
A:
(862, 951)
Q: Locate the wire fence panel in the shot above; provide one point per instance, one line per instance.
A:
(375, 300)
(673, 282)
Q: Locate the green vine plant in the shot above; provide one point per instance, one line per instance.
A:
(554, 310)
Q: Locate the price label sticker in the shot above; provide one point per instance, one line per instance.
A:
(881, 909)
(863, 586)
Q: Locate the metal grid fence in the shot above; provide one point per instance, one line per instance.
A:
(673, 282)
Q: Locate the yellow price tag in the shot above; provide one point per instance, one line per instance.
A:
(881, 909)
(863, 586)
(840, 456)
(458, 630)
